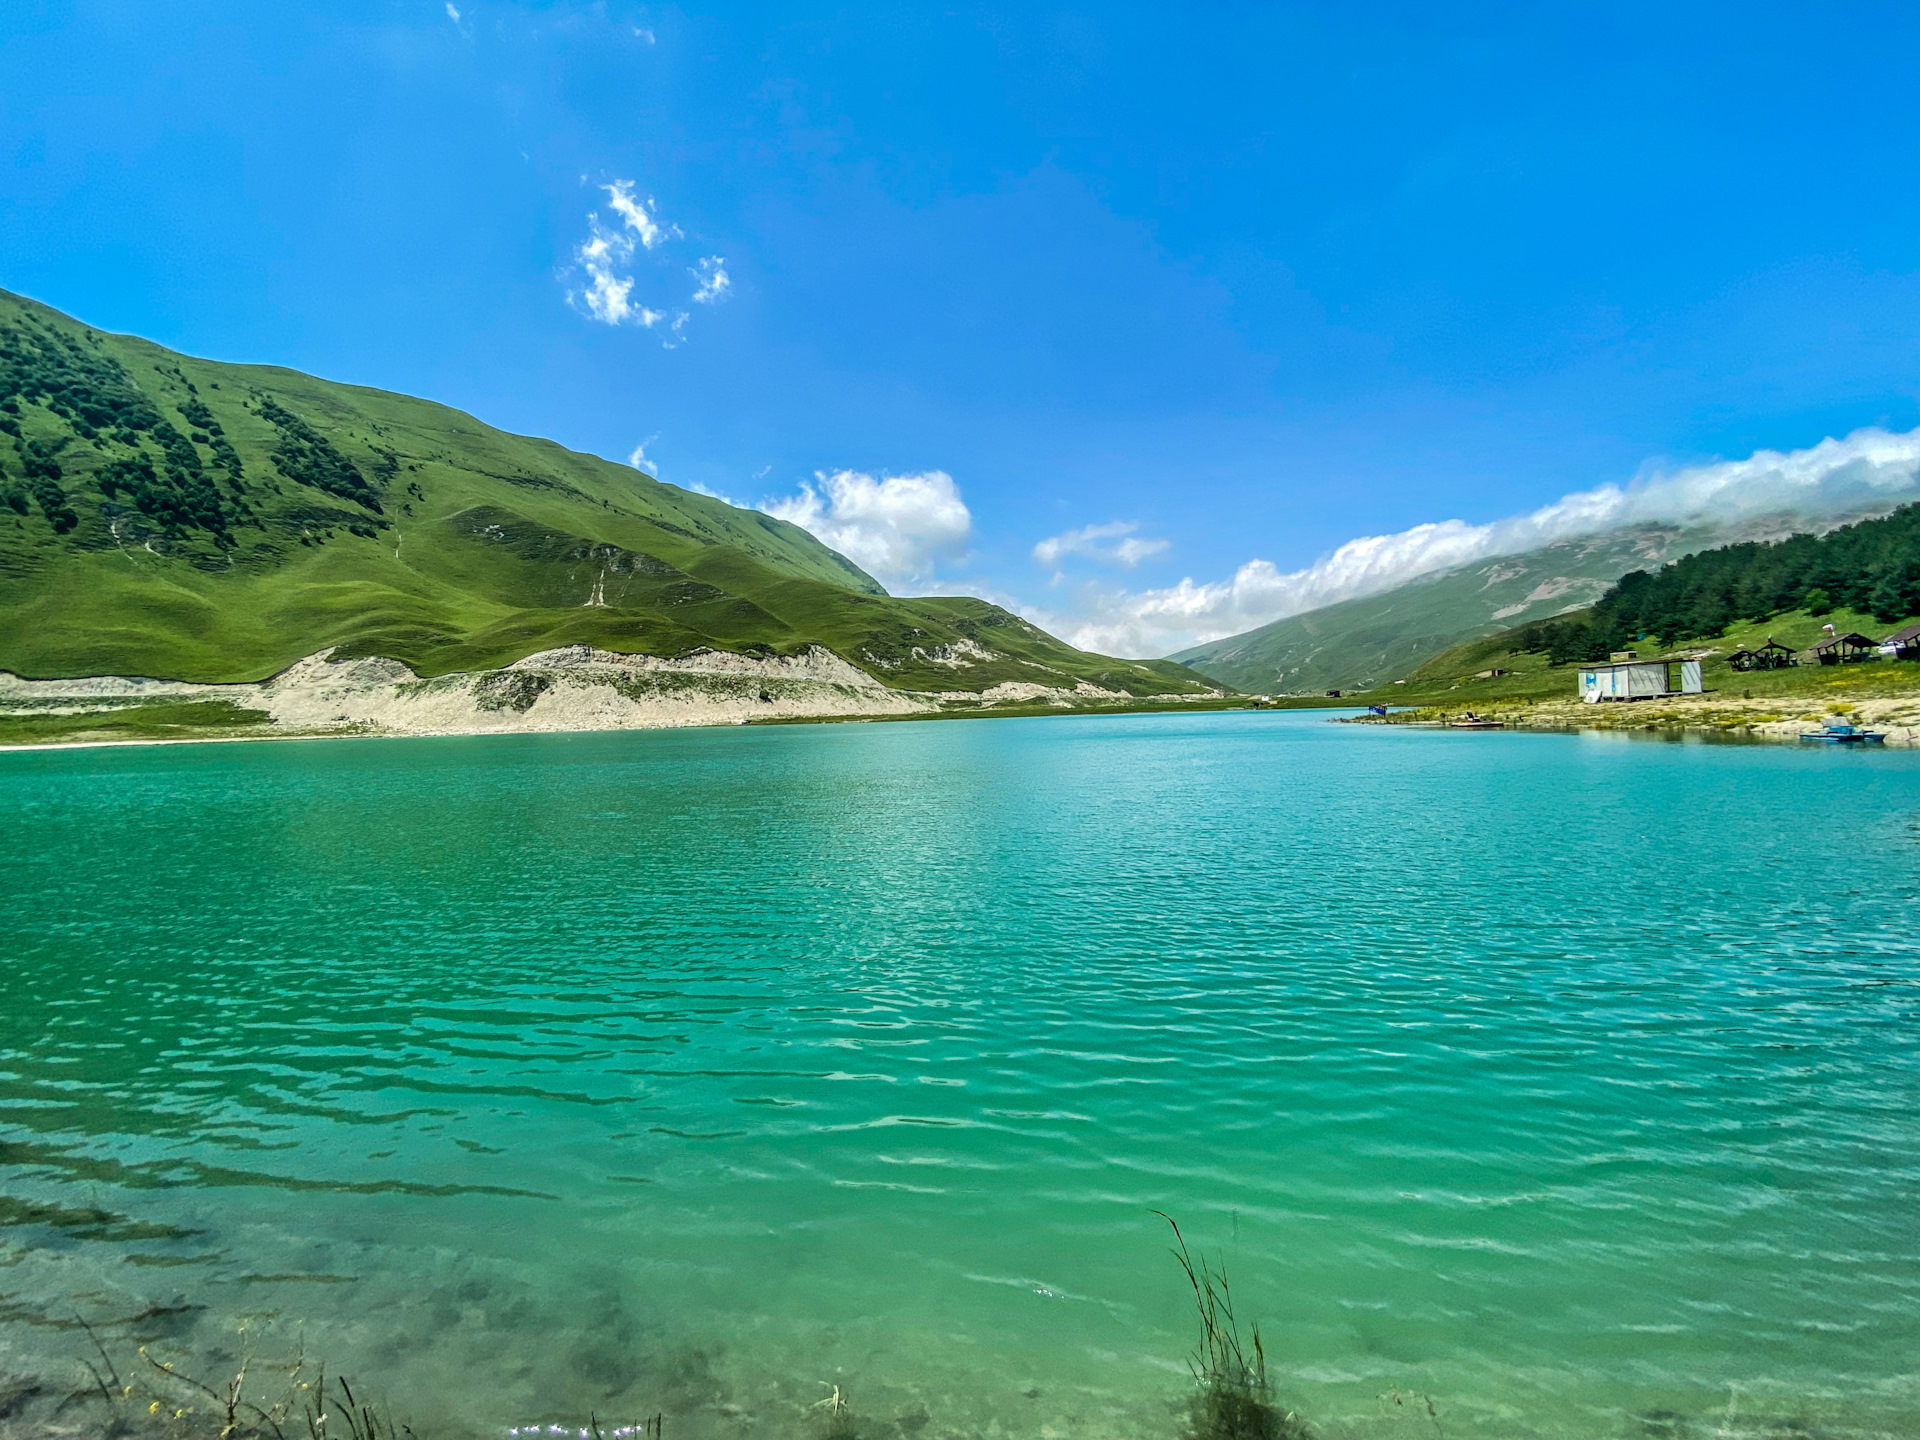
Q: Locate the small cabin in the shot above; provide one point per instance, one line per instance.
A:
(1903, 644)
(1639, 680)
(1847, 649)
(1770, 656)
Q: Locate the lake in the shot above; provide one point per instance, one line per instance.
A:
(1568, 1082)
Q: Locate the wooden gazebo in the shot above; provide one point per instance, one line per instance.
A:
(1905, 643)
(1770, 656)
(1844, 649)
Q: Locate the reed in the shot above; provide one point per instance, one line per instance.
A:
(354, 1420)
(162, 1400)
(1233, 1398)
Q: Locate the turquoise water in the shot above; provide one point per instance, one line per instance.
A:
(1569, 1081)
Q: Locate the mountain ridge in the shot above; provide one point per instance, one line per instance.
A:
(206, 521)
(1375, 639)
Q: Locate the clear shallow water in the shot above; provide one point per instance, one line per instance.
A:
(1568, 1080)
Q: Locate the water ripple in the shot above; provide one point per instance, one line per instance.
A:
(1562, 1081)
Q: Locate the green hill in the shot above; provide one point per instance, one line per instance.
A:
(187, 519)
(1377, 638)
(1380, 638)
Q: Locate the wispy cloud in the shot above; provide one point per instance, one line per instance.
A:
(452, 14)
(1835, 477)
(643, 34)
(641, 461)
(895, 527)
(606, 258)
(633, 211)
(1111, 544)
(607, 296)
(711, 273)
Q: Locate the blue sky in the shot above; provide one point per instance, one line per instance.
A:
(1252, 281)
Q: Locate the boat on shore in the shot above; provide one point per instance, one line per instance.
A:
(1843, 735)
(1471, 721)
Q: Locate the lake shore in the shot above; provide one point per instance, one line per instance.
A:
(571, 690)
(1774, 717)
(574, 690)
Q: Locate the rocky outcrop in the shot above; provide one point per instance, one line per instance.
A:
(575, 688)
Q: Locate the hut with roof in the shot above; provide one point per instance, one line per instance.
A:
(1846, 649)
(1903, 644)
(1770, 656)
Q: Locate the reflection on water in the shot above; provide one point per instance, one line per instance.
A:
(1567, 1083)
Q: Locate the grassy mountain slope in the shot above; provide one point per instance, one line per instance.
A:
(1370, 641)
(167, 516)
(1381, 637)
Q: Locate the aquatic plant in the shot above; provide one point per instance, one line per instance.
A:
(1233, 1399)
(354, 1420)
(652, 1429)
(1400, 1399)
(165, 1401)
(840, 1423)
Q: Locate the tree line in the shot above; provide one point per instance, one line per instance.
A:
(101, 404)
(1872, 566)
(104, 409)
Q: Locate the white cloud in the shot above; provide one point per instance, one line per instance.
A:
(604, 256)
(894, 527)
(644, 34)
(622, 201)
(1088, 542)
(711, 273)
(452, 14)
(607, 256)
(1832, 478)
(606, 296)
(641, 461)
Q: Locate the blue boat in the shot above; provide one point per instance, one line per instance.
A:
(1843, 735)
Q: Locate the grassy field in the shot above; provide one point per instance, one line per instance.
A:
(187, 519)
(152, 720)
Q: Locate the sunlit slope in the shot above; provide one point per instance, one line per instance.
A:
(1371, 641)
(184, 518)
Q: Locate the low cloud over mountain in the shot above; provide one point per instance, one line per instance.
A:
(1835, 477)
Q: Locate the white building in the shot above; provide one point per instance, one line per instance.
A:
(1626, 677)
